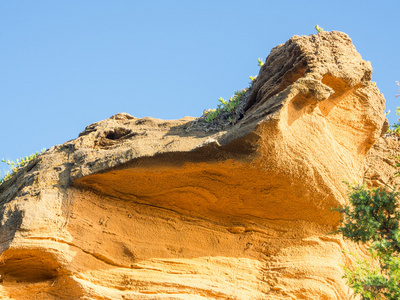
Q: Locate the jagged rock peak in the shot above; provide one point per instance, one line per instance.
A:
(329, 57)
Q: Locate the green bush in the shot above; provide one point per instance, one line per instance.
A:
(373, 218)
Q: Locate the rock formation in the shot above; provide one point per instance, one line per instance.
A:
(147, 209)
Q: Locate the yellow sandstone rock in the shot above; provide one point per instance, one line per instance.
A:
(147, 209)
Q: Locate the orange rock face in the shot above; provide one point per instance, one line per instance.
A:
(152, 209)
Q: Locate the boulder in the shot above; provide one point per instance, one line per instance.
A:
(152, 209)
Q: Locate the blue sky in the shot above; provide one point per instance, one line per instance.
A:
(67, 64)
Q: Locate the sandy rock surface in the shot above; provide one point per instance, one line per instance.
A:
(148, 209)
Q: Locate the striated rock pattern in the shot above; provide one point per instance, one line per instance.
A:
(145, 209)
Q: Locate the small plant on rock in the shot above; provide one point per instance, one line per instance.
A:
(18, 164)
(211, 114)
(252, 78)
(225, 106)
(319, 29)
(228, 107)
(396, 127)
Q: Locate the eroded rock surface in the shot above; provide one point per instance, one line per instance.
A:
(146, 209)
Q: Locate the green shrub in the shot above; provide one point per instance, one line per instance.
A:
(373, 218)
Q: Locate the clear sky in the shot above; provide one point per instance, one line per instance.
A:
(67, 64)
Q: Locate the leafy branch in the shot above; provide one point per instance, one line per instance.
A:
(372, 218)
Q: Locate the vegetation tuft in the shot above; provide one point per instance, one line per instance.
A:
(319, 29)
(230, 105)
(18, 164)
(227, 106)
(395, 128)
(227, 112)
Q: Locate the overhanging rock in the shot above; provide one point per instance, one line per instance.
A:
(145, 209)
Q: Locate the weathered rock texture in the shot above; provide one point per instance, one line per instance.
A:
(144, 209)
